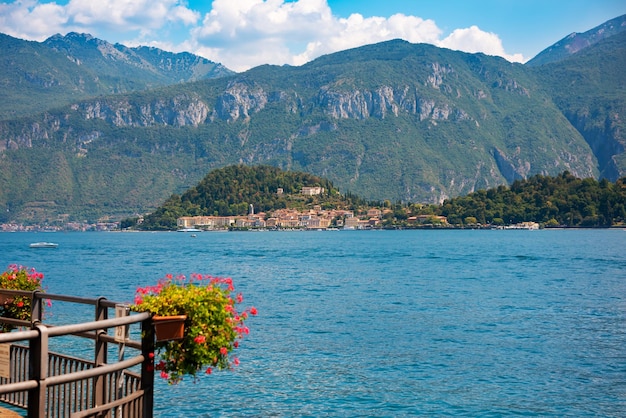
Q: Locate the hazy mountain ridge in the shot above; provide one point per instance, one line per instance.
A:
(114, 58)
(38, 76)
(391, 121)
(576, 42)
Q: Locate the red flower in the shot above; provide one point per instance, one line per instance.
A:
(20, 304)
(253, 310)
(224, 351)
(200, 339)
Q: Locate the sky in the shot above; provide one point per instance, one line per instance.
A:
(242, 34)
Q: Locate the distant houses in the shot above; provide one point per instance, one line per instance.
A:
(280, 219)
(312, 191)
(315, 218)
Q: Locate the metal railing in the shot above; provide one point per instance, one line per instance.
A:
(48, 384)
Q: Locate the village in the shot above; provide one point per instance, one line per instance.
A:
(312, 219)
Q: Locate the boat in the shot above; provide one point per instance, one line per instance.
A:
(44, 245)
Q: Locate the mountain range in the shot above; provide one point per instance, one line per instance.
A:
(394, 120)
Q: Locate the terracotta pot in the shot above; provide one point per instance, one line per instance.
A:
(169, 328)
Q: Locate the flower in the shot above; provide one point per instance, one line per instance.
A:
(213, 326)
(18, 307)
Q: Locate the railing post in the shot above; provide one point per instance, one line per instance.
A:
(36, 307)
(38, 370)
(100, 356)
(147, 368)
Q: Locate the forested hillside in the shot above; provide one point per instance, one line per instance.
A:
(231, 190)
(561, 200)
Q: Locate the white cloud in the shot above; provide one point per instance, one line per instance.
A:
(128, 15)
(357, 31)
(245, 33)
(473, 39)
(237, 33)
(30, 19)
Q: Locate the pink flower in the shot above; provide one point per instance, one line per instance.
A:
(164, 375)
(239, 298)
(200, 339)
(236, 361)
(253, 310)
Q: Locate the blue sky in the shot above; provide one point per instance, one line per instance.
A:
(245, 33)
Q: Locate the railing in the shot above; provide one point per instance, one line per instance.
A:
(55, 385)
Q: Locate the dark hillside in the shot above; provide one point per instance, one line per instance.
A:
(590, 90)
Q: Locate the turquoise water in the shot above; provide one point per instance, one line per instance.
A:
(383, 323)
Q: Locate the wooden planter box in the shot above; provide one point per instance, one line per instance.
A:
(169, 328)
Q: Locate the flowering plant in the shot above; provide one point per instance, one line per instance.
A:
(212, 328)
(18, 307)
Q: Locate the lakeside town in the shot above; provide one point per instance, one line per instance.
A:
(315, 218)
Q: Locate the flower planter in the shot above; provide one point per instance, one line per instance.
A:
(169, 328)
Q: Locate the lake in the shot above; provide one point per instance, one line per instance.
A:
(382, 323)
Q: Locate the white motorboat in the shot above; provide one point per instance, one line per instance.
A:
(44, 245)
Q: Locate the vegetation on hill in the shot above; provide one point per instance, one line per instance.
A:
(563, 200)
(231, 190)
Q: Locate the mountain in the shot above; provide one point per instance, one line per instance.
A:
(576, 42)
(590, 90)
(397, 121)
(62, 69)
